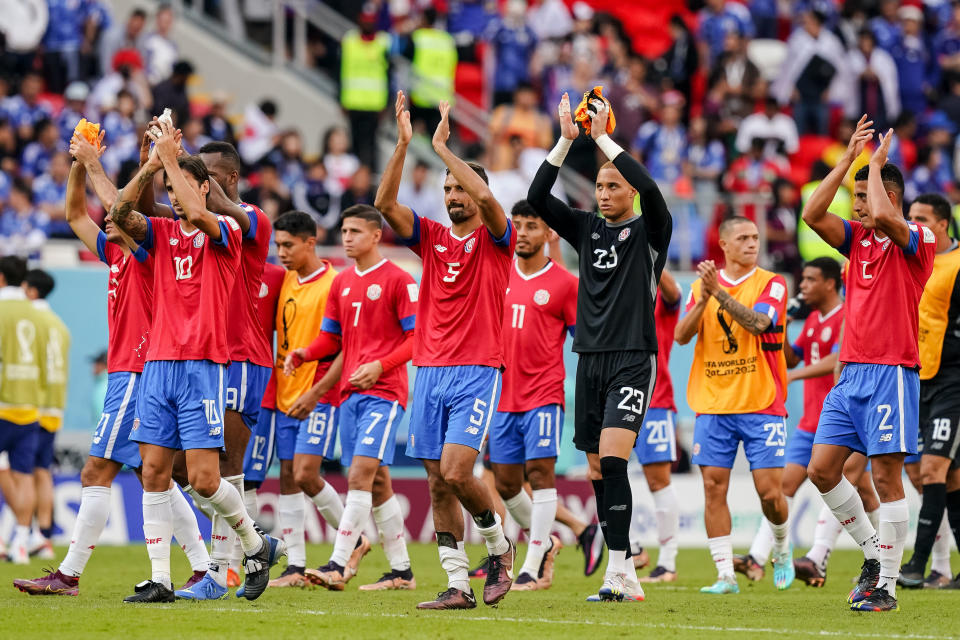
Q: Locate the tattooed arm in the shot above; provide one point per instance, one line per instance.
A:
(750, 319)
(132, 222)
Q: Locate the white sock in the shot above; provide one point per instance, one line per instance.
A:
(847, 507)
(250, 502)
(91, 519)
(389, 519)
(781, 532)
(893, 536)
(668, 521)
(496, 542)
(157, 531)
(824, 537)
(21, 538)
(36, 539)
(228, 503)
(355, 514)
(721, 549)
(940, 554)
(457, 565)
(201, 503)
(543, 514)
(290, 514)
(329, 505)
(520, 508)
(874, 517)
(762, 542)
(617, 562)
(187, 531)
(223, 540)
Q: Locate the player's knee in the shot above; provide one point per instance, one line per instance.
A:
(204, 481)
(822, 479)
(457, 477)
(934, 473)
(540, 478)
(439, 489)
(304, 477)
(97, 472)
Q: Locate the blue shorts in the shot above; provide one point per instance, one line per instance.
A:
(43, 456)
(873, 409)
(261, 447)
(20, 443)
(518, 436)
(914, 458)
(111, 440)
(245, 385)
(180, 404)
(657, 440)
(317, 434)
(799, 447)
(368, 427)
(717, 437)
(452, 405)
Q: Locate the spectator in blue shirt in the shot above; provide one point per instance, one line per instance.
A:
(121, 137)
(467, 19)
(885, 27)
(4, 189)
(916, 66)
(36, 155)
(946, 44)
(718, 19)
(931, 175)
(24, 109)
(74, 109)
(513, 46)
(23, 229)
(662, 146)
(50, 193)
(70, 22)
(764, 15)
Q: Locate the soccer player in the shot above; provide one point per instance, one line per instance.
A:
(22, 355)
(181, 398)
(656, 446)
(129, 313)
(621, 258)
(939, 401)
(370, 316)
(737, 387)
(873, 408)
(458, 349)
(540, 308)
(816, 348)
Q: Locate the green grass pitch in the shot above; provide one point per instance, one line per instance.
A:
(675, 610)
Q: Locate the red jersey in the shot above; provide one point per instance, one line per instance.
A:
(248, 341)
(884, 284)
(267, 317)
(665, 317)
(538, 311)
(461, 292)
(819, 337)
(192, 280)
(129, 305)
(372, 311)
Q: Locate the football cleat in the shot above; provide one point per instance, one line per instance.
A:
(783, 571)
(641, 558)
(451, 599)
(393, 581)
(937, 580)
(525, 582)
(292, 576)
(206, 589)
(353, 563)
(867, 582)
(878, 600)
(233, 578)
(748, 567)
(149, 591)
(257, 566)
(545, 575)
(330, 576)
(807, 570)
(18, 554)
(722, 586)
(614, 587)
(499, 576)
(481, 569)
(44, 551)
(633, 592)
(659, 574)
(52, 584)
(911, 576)
(194, 579)
(590, 541)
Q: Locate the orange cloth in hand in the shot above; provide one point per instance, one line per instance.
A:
(583, 115)
(89, 131)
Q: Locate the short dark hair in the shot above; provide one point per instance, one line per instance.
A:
(940, 205)
(731, 221)
(889, 174)
(41, 281)
(14, 270)
(195, 167)
(138, 12)
(364, 212)
(478, 169)
(297, 223)
(523, 209)
(228, 153)
(830, 269)
(21, 185)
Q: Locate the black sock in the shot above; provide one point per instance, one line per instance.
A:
(46, 532)
(485, 520)
(618, 502)
(601, 511)
(445, 539)
(934, 500)
(953, 514)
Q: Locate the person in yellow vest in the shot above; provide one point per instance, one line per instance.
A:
(939, 341)
(21, 374)
(55, 345)
(809, 243)
(364, 84)
(737, 387)
(432, 72)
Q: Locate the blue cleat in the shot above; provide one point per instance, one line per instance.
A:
(878, 600)
(869, 577)
(240, 591)
(257, 566)
(206, 589)
(722, 586)
(783, 570)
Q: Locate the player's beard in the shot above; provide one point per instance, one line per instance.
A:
(458, 214)
(528, 253)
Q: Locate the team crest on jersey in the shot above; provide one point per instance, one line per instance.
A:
(865, 243)
(264, 289)
(374, 291)
(114, 268)
(624, 235)
(198, 240)
(594, 236)
(825, 334)
(809, 332)
(470, 244)
(541, 297)
(173, 242)
(440, 248)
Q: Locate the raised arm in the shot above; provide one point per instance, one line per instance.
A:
(218, 202)
(76, 208)
(490, 210)
(147, 203)
(132, 222)
(888, 219)
(398, 216)
(828, 226)
(750, 319)
(89, 156)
